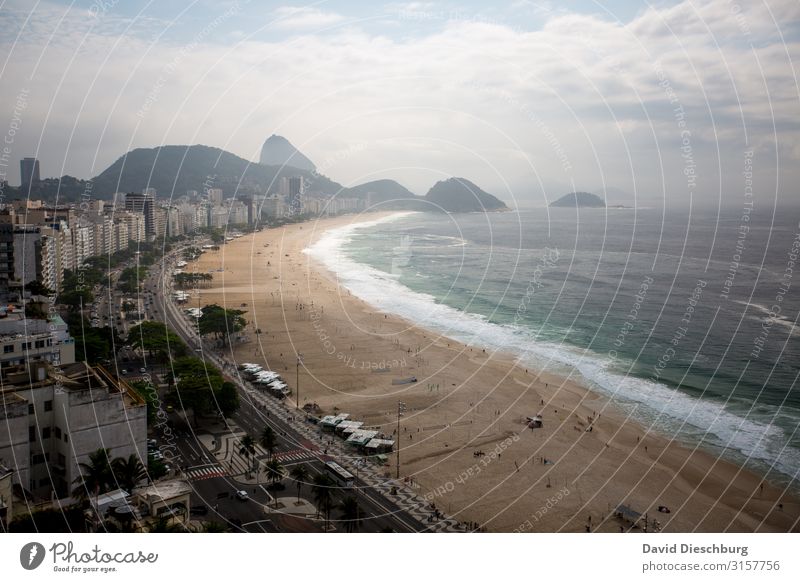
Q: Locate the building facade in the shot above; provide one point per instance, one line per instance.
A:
(53, 424)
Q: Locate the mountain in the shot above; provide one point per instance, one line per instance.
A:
(461, 195)
(381, 190)
(580, 200)
(277, 151)
(172, 170)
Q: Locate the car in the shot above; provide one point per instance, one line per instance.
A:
(124, 372)
(242, 495)
(143, 370)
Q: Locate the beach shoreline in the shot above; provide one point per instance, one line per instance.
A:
(464, 441)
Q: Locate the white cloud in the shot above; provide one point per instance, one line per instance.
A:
(304, 18)
(579, 100)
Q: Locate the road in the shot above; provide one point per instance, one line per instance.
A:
(379, 514)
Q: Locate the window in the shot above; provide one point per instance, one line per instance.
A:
(62, 460)
(26, 345)
(37, 459)
(30, 409)
(44, 482)
(8, 348)
(46, 432)
(48, 405)
(39, 343)
(57, 432)
(66, 438)
(32, 433)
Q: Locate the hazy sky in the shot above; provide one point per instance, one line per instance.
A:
(527, 99)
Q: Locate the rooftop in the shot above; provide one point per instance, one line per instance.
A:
(165, 489)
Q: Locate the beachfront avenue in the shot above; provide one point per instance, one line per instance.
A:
(379, 513)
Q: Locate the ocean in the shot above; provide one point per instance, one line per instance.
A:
(686, 321)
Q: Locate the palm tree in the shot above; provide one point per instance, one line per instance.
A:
(321, 489)
(247, 447)
(351, 514)
(96, 476)
(300, 475)
(274, 470)
(128, 472)
(268, 440)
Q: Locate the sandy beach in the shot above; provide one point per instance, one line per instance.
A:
(584, 462)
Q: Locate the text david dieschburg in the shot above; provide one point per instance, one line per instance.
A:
(694, 549)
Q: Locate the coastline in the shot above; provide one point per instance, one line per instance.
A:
(467, 401)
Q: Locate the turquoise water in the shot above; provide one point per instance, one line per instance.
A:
(670, 315)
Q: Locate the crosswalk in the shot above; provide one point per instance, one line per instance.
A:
(209, 472)
(294, 456)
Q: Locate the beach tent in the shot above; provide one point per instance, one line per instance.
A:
(379, 446)
(267, 376)
(330, 422)
(359, 438)
(347, 426)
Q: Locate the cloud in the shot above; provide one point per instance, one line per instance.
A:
(304, 18)
(582, 100)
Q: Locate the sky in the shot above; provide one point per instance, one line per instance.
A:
(648, 103)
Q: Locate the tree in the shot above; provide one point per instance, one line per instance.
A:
(131, 278)
(300, 475)
(156, 469)
(199, 385)
(323, 497)
(228, 399)
(158, 340)
(92, 344)
(268, 440)
(221, 323)
(351, 514)
(36, 287)
(247, 448)
(96, 476)
(76, 298)
(128, 472)
(275, 471)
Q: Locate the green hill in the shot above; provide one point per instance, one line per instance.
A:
(381, 190)
(172, 170)
(461, 195)
(579, 199)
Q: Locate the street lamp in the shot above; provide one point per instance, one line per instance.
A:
(401, 408)
(297, 381)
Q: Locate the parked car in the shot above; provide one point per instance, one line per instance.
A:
(242, 495)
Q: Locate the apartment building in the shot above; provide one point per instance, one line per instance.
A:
(53, 420)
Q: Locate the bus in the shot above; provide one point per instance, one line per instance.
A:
(342, 476)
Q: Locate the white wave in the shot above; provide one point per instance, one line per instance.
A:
(782, 320)
(664, 408)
